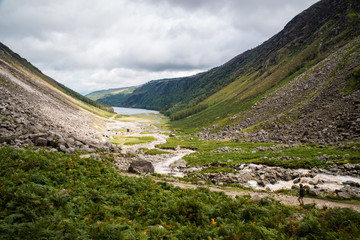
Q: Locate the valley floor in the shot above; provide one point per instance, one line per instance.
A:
(169, 161)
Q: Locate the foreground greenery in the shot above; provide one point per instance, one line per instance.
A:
(272, 154)
(56, 196)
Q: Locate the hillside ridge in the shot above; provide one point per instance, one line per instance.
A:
(36, 110)
(212, 98)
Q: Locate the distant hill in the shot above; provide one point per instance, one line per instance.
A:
(112, 97)
(220, 98)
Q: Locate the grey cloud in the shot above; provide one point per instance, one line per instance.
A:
(89, 44)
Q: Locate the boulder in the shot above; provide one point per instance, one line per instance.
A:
(287, 177)
(62, 148)
(40, 141)
(201, 183)
(141, 166)
(256, 198)
(344, 195)
(314, 192)
(297, 180)
(351, 183)
(70, 150)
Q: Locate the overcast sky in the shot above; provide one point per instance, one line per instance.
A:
(92, 45)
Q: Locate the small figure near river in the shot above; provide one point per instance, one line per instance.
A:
(301, 194)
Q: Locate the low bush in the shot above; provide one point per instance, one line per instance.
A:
(57, 196)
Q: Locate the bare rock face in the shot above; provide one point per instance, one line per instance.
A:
(141, 166)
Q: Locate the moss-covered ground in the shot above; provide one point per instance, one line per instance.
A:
(272, 154)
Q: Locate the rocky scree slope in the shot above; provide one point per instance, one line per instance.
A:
(34, 112)
(322, 105)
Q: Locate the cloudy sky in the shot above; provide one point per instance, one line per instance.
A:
(91, 45)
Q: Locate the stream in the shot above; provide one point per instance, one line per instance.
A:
(250, 175)
(171, 166)
(320, 181)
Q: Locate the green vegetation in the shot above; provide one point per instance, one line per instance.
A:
(214, 96)
(353, 82)
(130, 140)
(296, 156)
(153, 151)
(188, 112)
(112, 97)
(56, 196)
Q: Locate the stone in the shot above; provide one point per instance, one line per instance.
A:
(40, 141)
(256, 198)
(141, 166)
(62, 148)
(352, 183)
(297, 180)
(33, 137)
(344, 195)
(314, 192)
(70, 150)
(201, 183)
(96, 156)
(287, 177)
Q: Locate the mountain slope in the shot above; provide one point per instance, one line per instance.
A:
(19, 62)
(221, 93)
(36, 110)
(112, 97)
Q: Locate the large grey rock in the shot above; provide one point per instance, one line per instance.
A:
(351, 183)
(62, 148)
(344, 195)
(141, 166)
(40, 141)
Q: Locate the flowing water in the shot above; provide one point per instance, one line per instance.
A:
(323, 181)
(168, 166)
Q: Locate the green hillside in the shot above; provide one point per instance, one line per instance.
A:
(23, 65)
(219, 93)
(117, 98)
(107, 95)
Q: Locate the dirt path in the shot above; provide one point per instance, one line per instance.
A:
(285, 199)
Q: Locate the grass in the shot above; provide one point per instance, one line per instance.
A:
(57, 196)
(249, 88)
(293, 156)
(153, 151)
(131, 140)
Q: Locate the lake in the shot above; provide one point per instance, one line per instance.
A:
(132, 111)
